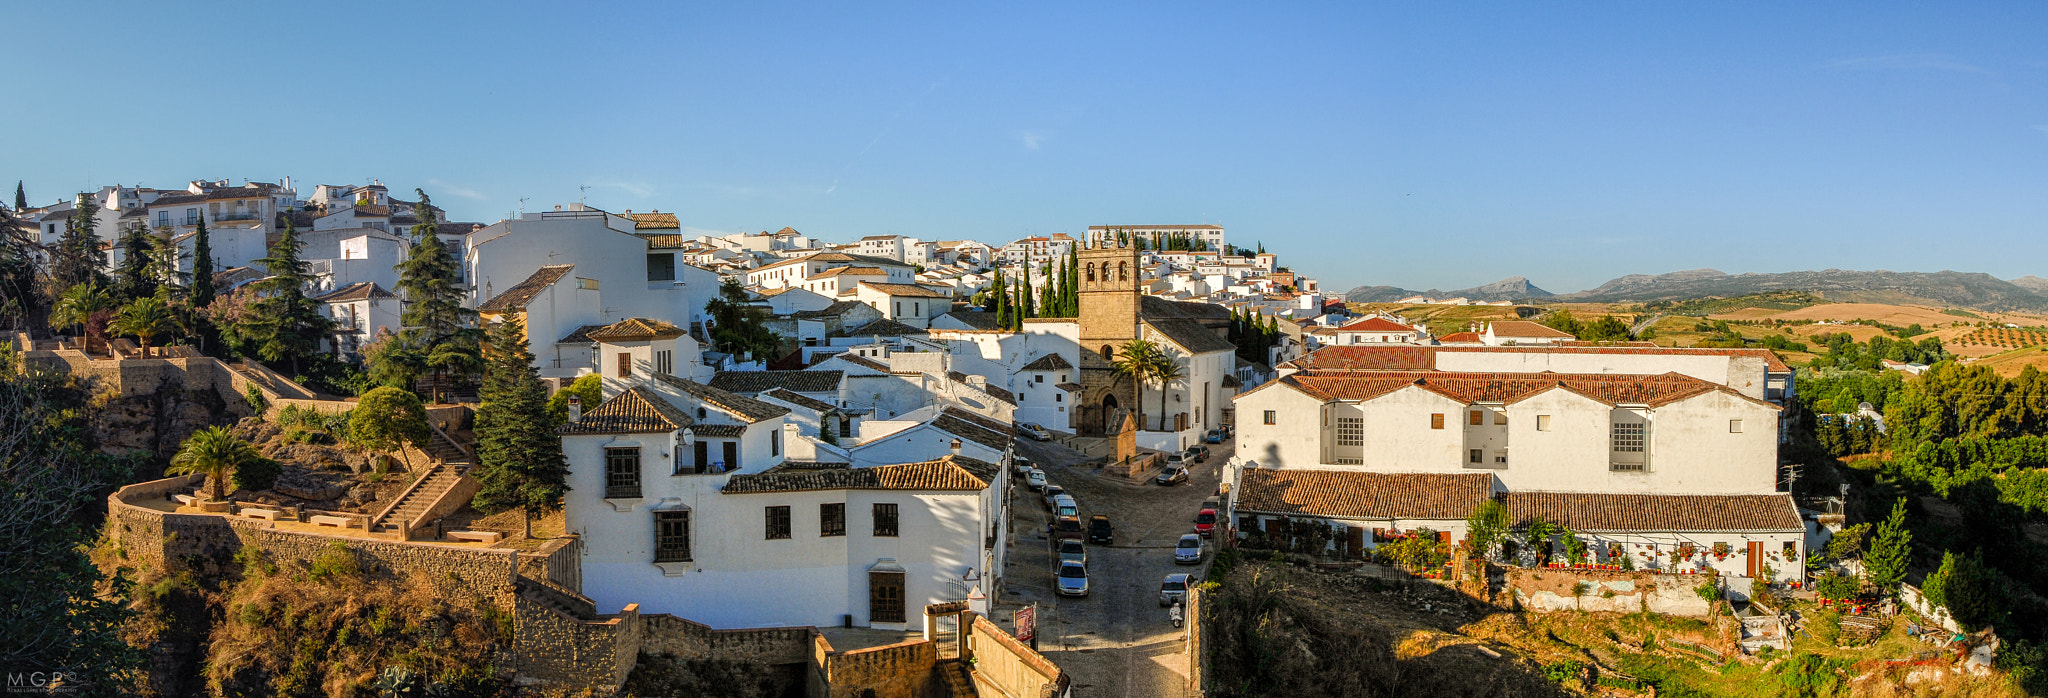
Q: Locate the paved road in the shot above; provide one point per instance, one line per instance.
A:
(1117, 641)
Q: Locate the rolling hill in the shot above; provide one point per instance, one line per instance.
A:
(1513, 288)
(1942, 288)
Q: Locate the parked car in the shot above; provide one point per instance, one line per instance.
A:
(1053, 492)
(1215, 436)
(1205, 522)
(1229, 431)
(1073, 550)
(1035, 480)
(1177, 459)
(1023, 468)
(1173, 474)
(1174, 590)
(1067, 528)
(1072, 579)
(1189, 550)
(1064, 505)
(1099, 531)
(1031, 429)
(1212, 503)
(1198, 454)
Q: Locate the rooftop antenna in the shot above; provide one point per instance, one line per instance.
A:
(522, 205)
(585, 189)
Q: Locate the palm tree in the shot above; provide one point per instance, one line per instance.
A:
(145, 318)
(213, 452)
(1165, 370)
(1135, 360)
(78, 304)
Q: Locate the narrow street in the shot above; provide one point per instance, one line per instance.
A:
(1117, 641)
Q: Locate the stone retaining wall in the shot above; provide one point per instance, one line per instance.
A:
(1007, 665)
(1546, 590)
(903, 669)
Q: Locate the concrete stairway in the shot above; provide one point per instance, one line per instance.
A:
(415, 501)
(447, 452)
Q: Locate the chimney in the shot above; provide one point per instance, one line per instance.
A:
(575, 408)
(956, 447)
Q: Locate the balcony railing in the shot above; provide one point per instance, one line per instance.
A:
(622, 492)
(236, 216)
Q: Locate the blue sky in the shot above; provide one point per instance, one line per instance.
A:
(1411, 144)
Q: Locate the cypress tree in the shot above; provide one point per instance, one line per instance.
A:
(20, 196)
(202, 267)
(287, 325)
(1002, 299)
(1023, 294)
(436, 325)
(519, 457)
(137, 249)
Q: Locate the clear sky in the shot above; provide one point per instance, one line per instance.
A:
(1409, 144)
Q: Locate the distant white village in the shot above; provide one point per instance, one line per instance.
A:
(864, 468)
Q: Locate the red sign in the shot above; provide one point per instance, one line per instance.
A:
(1027, 622)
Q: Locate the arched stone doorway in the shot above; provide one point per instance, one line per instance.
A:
(1109, 414)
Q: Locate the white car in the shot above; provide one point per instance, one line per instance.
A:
(1174, 590)
(1037, 433)
(1189, 550)
(1035, 480)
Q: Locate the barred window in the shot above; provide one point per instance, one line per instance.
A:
(778, 523)
(885, 520)
(1350, 431)
(671, 536)
(832, 519)
(621, 473)
(1628, 437)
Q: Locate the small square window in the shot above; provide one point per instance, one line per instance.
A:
(1272, 417)
(1543, 422)
(778, 523)
(1500, 419)
(1477, 457)
(1734, 426)
(1436, 421)
(1478, 418)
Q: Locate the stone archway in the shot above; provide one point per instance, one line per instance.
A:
(1109, 414)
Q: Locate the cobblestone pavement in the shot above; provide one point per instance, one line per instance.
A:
(1117, 641)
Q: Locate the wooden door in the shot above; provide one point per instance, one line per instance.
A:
(1756, 559)
(885, 597)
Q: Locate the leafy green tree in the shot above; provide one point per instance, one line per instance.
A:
(202, 267)
(1574, 549)
(1891, 549)
(214, 452)
(1536, 534)
(519, 457)
(147, 318)
(1967, 588)
(1486, 527)
(740, 327)
(1606, 329)
(590, 388)
(79, 259)
(287, 324)
(385, 420)
(58, 613)
(1563, 321)
(436, 326)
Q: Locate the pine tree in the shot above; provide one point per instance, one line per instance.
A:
(202, 267)
(79, 258)
(138, 251)
(1891, 547)
(287, 325)
(20, 196)
(519, 457)
(436, 325)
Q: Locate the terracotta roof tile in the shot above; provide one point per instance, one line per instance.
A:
(906, 290)
(1190, 335)
(884, 327)
(1652, 512)
(798, 399)
(636, 410)
(654, 221)
(746, 408)
(1363, 495)
(1413, 358)
(727, 431)
(849, 271)
(665, 242)
(760, 381)
(1610, 388)
(976, 428)
(948, 474)
(1456, 337)
(518, 296)
(635, 329)
(356, 292)
(1049, 362)
(581, 335)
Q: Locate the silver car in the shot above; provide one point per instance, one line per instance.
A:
(1073, 551)
(1174, 590)
(1072, 579)
(1189, 551)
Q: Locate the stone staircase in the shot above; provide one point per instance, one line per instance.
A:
(957, 676)
(444, 450)
(412, 505)
(273, 381)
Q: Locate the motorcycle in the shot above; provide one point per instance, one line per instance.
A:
(1175, 614)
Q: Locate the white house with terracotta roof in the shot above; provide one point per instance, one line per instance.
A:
(794, 272)
(555, 302)
(1521, 333)
(696, 501)
(632, 278)
(360, 312)
(1378, 329)
(909, 304)
(1604, 437)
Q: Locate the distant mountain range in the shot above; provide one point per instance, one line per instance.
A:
(1945, 288)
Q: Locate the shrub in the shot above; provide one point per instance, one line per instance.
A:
(336, 562)
(1709, 591)
(1835, 587)
(1566, 673)
(1580, 588)
(258, 474)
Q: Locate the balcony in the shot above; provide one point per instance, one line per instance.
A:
(622, 492)
(237, 216)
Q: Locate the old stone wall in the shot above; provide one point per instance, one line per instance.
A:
(902, 670)
(1548, 590)
(558, 562)
(1008, 666)
(554, 647)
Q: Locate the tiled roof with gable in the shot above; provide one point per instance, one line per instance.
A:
(839, 258)
(1049, 362)
(976, 319)
(836, 308)
(231, 276)
(1524, 328)
(1655, 512)
(581, 335)
(744, 407)
(1376, 324)
(1610, 388)
(975, 428)
(1190, 335)
(905, 290)
(1456, 337)
(759, 381)
(518, 296)
(1156, 307)
(635, 329)
(799, 399)
(849, 271)
(1417, 358)
(948, 474)
(654, 221)
(884, 327)
(359, 291)
(635, 410)
(1363, 495)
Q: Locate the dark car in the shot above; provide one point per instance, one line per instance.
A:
(1067, 528)
(1198, 454)
(1099, 531)
(1053, 492)
(1205, 522)
(1173, 474)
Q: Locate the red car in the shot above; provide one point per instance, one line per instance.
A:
(1205, 522)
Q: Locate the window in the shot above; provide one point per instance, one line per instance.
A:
(1734, 426)
(1351, 431)
(1543, 422)
(1436, 421)
(1628, 445)
(845, 427)
(1477, 457)
(1500, 419)
(191, 216)
(625, 365)
(1272, 417)
(622, 473)
(917, 309)
(1056, 397)
(885, 520)
(885, 597)
(775, 442)
(1500, 457)
(832, 519)
(665, 361)
(778, 523)
(671, 536)
(163, 219)
(1478, 417)
(586, 284)
(899, 308)
(1040, 378)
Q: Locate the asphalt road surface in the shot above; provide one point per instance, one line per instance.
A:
(1117, 641)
